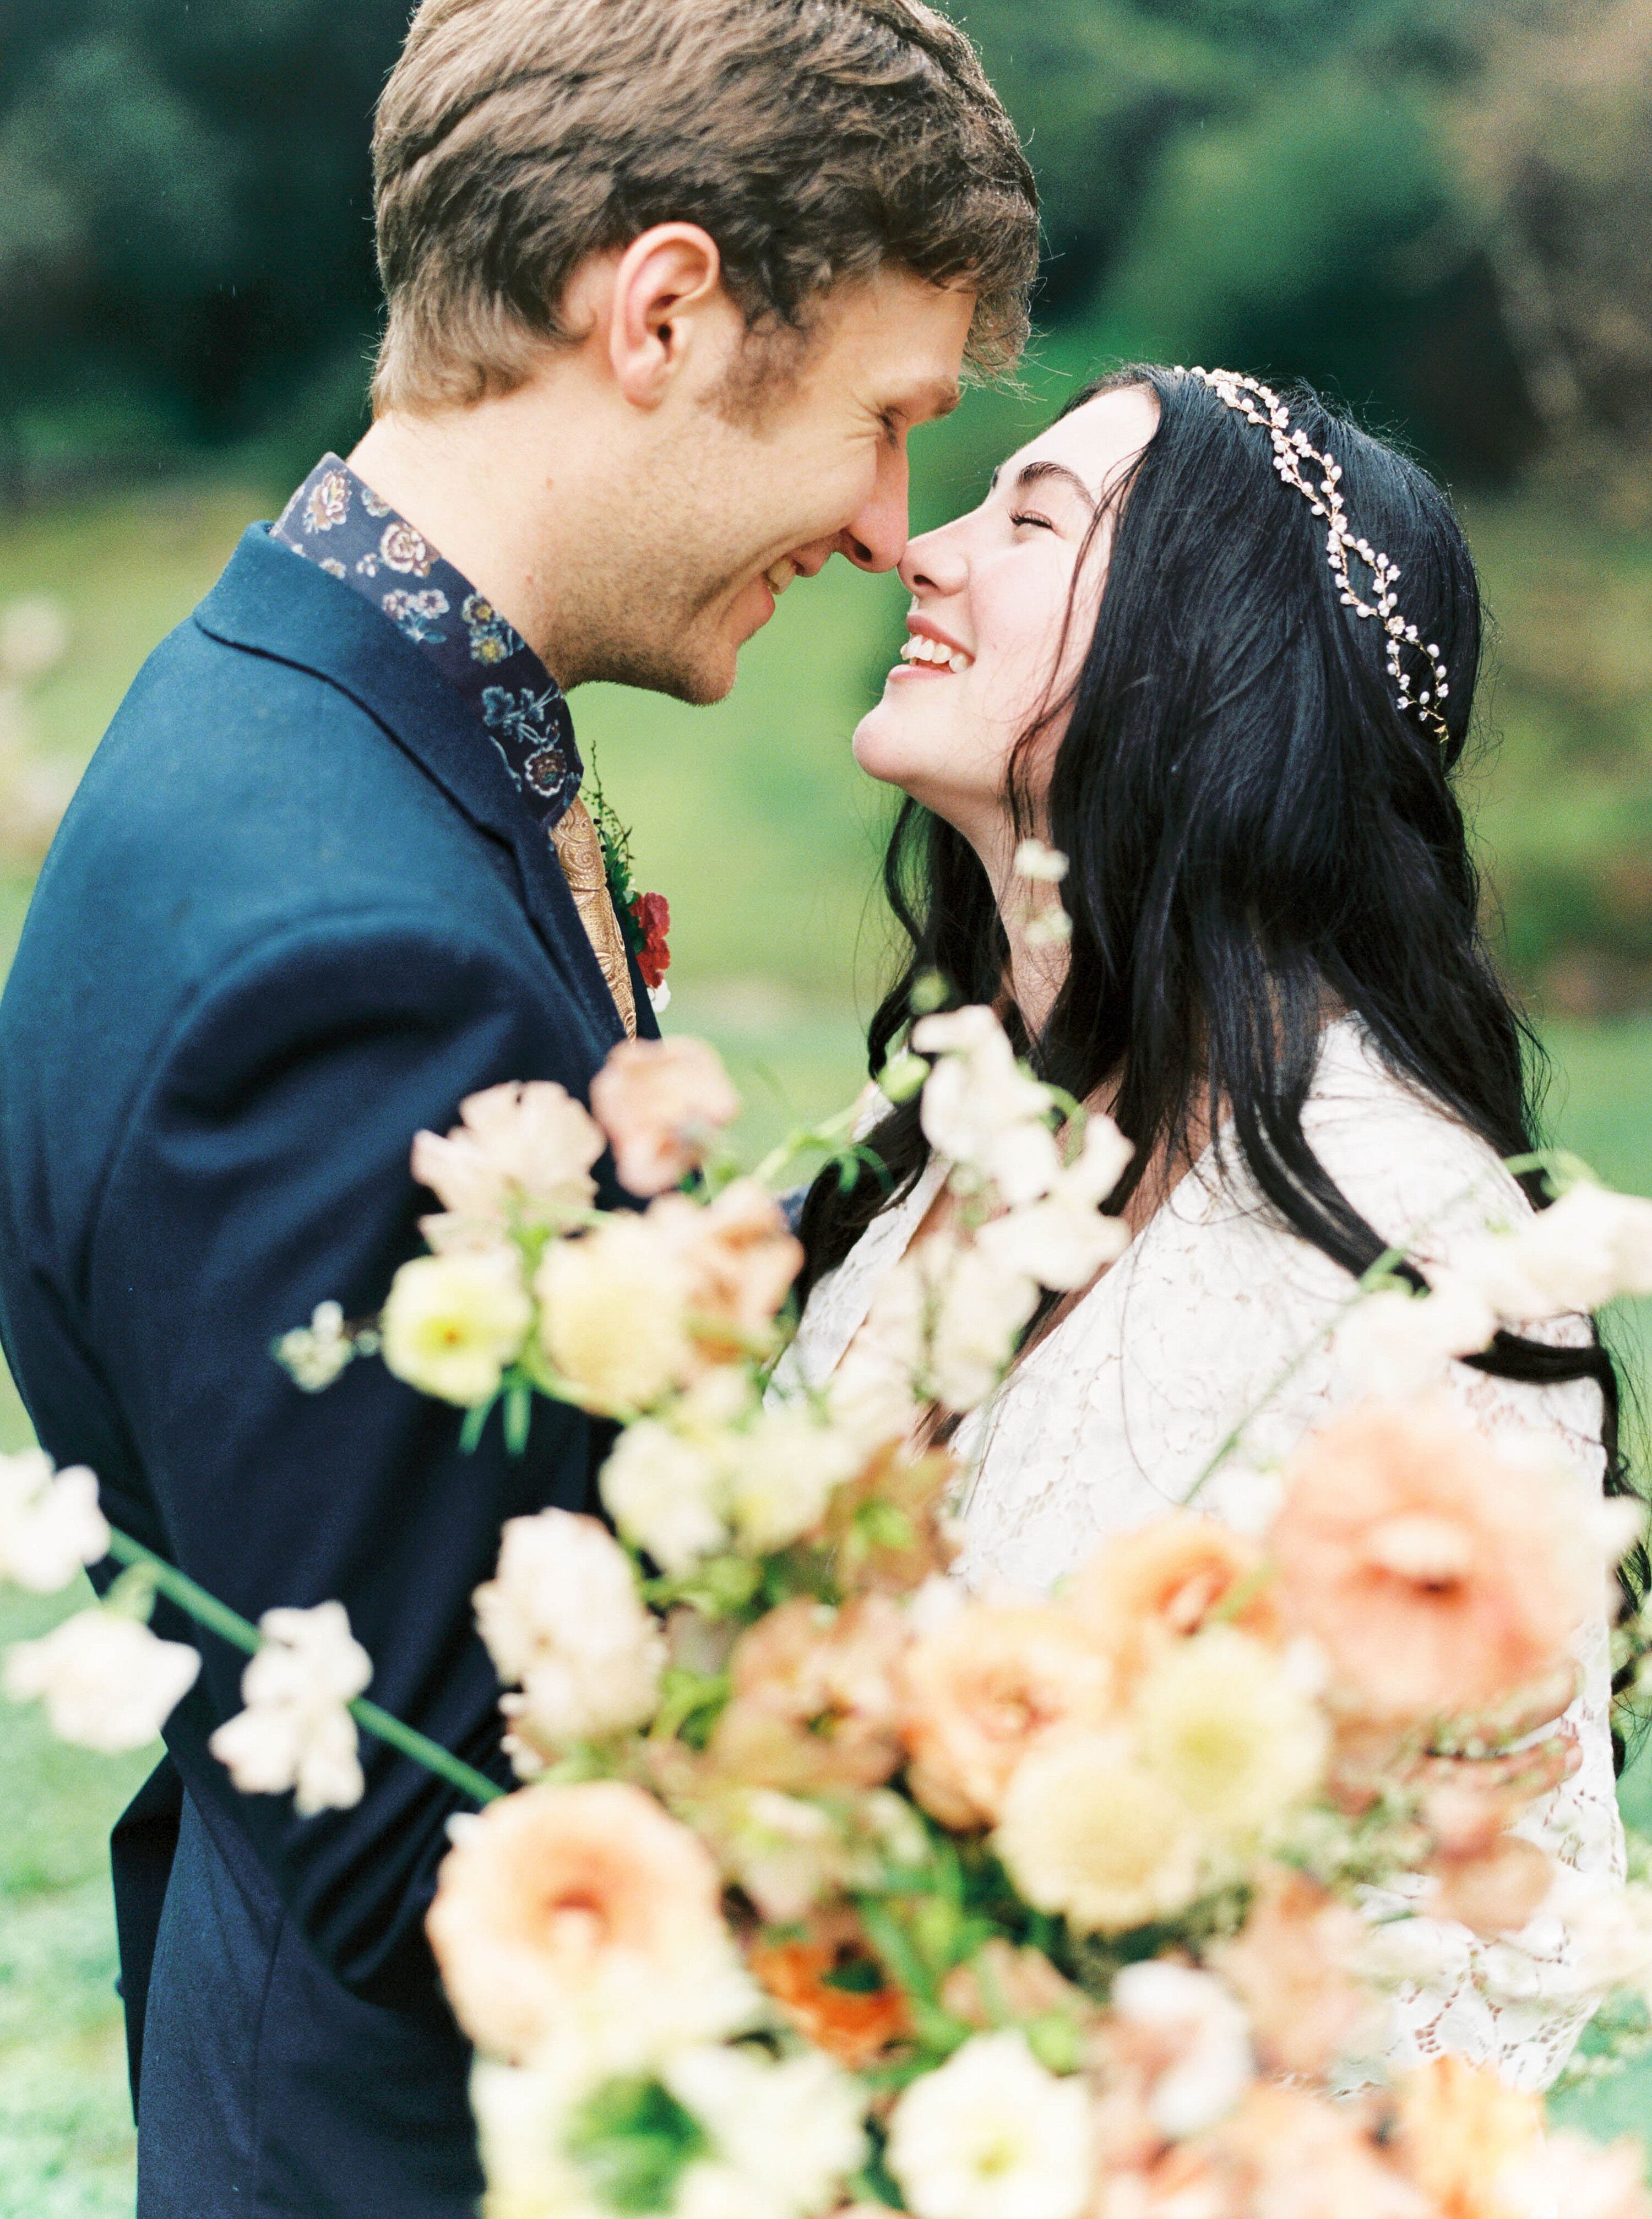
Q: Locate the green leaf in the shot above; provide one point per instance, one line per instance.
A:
(856, 1976)
(634, 2141)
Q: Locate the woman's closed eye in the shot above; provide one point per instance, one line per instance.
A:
(1031, 516)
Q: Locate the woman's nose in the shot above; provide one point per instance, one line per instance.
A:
(934, 564)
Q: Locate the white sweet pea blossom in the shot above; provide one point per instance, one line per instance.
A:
(981, 1110)
(1394, 1343)
(1046, 923)
(1203, 2032)
(315, 1354)
(991, 2135)
(1041, 866)
(790, 2132)
(1063, 1240)
(563, 1620)
(50, 1523)
(107, 1681)
(1580, 1253)
(297, 1730)
(976, 1313)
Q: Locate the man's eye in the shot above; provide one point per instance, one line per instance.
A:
(1028, 516)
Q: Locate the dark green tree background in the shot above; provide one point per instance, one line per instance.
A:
(1403, 200)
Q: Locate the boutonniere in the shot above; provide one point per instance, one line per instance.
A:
(645, 918)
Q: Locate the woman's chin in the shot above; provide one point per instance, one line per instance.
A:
(878, 746)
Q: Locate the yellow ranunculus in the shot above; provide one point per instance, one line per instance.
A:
(453, 1323)
(1221, 1722)
(1088, 1831)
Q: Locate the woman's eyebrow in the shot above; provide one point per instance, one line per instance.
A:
(1034, 471)
(1031, 473)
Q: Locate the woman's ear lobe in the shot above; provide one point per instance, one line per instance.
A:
(663, 286)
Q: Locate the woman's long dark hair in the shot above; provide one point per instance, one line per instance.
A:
(1257, 832)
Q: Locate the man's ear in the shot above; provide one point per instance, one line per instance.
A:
(668, 294)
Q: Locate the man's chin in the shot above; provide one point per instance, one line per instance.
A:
(700, 678)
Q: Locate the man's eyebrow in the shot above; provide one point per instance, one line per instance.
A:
(942, 396)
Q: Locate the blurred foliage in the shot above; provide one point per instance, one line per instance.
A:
(1441, 208)
(185, 234)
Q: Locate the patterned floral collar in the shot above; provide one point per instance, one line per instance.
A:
(336, 521)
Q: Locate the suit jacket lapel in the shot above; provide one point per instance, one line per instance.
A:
(270, 601)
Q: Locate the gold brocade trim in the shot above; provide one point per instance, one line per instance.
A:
(580, 852)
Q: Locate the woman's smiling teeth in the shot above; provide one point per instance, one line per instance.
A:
(935, 651)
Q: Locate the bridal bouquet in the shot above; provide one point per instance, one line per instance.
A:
(828, 1885)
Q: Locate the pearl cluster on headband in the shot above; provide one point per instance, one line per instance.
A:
(1291, 451)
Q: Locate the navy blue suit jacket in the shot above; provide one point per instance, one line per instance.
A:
(295, 912)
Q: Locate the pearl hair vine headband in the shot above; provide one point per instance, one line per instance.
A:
(1291, 452)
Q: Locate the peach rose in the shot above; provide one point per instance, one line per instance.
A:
(1283, 2154)
(1498, 1891)
(986, 1688)
(1572, 2174)
(816, 1698)
(1292, 2155)
(1001, 1981)
(1166, 1580)
(520, 1153)
(1460, 2130)
(890, 1529)
(661, 1104)
(741, 1262)
(584, 1919)
(1292, 1966)
(1438, 1578)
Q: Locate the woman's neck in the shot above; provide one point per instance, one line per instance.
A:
(1034, 925)
(1038, 969)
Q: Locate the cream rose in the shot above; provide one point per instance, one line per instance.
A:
(613, 1314)
(563, 1621)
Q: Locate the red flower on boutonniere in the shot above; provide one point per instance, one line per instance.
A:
(651, 914)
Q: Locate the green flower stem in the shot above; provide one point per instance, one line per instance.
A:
(1367, 1283)
(812, 1137)
(229, 1626)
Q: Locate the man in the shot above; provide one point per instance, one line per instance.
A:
(669, 284)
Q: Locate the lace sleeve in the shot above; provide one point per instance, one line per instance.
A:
(1517, 2004)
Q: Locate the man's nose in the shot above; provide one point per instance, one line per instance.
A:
(875, 537)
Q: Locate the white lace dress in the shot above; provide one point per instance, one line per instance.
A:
(1110, 1421)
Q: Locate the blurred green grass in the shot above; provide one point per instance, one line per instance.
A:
(753, 821)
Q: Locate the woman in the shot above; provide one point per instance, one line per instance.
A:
(1163, 643)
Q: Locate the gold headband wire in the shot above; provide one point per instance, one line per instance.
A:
(1292, 453)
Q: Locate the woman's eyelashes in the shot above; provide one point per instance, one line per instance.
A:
(1030, 516)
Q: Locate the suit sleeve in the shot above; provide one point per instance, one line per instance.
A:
(266, 1169)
